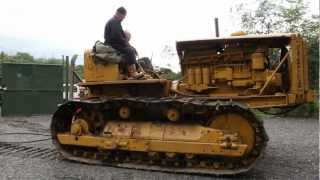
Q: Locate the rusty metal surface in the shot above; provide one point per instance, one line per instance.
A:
(187, 44)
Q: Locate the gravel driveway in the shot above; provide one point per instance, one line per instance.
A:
(292, 153)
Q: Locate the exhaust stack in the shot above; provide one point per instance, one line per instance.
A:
(216, 25)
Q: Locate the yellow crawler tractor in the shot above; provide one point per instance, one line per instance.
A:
(202, 123)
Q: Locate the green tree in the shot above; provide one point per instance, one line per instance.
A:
(292, 15)
(169, 74)
(53, 61)
(3, 56)
(79, 70)
(274, 16)
(261, 20)
(23, 57)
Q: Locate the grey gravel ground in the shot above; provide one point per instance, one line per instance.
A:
(292, 153)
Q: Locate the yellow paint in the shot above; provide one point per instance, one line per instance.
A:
(236, 124)
(165, 137)
(257, 61)
(99, 72)
(242, 70)
(198, 75)
(239, 33)
(223, 73)
(206, 75)
(191, 79)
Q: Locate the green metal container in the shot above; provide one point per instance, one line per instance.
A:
(28, 89)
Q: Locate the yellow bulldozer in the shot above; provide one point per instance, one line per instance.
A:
(202, 123)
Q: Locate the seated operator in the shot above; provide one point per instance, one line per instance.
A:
(116, 38)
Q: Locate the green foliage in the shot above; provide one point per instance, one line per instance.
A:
(272, 16)
(3, 55)
(79, 70)
(169, 74)
(259, 21)
(22, 57)
(306, 110)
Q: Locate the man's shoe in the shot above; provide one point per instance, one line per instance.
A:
(133, 74)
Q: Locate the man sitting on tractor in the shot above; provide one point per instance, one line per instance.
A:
(116, 38)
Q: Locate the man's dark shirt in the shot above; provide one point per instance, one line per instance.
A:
(113, 33)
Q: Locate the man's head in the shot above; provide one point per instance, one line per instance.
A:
(121, 13)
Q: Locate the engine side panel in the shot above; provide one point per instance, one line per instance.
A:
(247, 66)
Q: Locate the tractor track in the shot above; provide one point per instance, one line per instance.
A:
(62, 118)
(292, 153)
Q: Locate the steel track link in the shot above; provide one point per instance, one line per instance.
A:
(203, 165)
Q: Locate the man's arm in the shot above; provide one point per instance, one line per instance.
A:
(117, 34)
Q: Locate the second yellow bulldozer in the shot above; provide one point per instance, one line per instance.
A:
(202, 123)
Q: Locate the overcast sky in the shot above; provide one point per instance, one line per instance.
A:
(50, 28)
